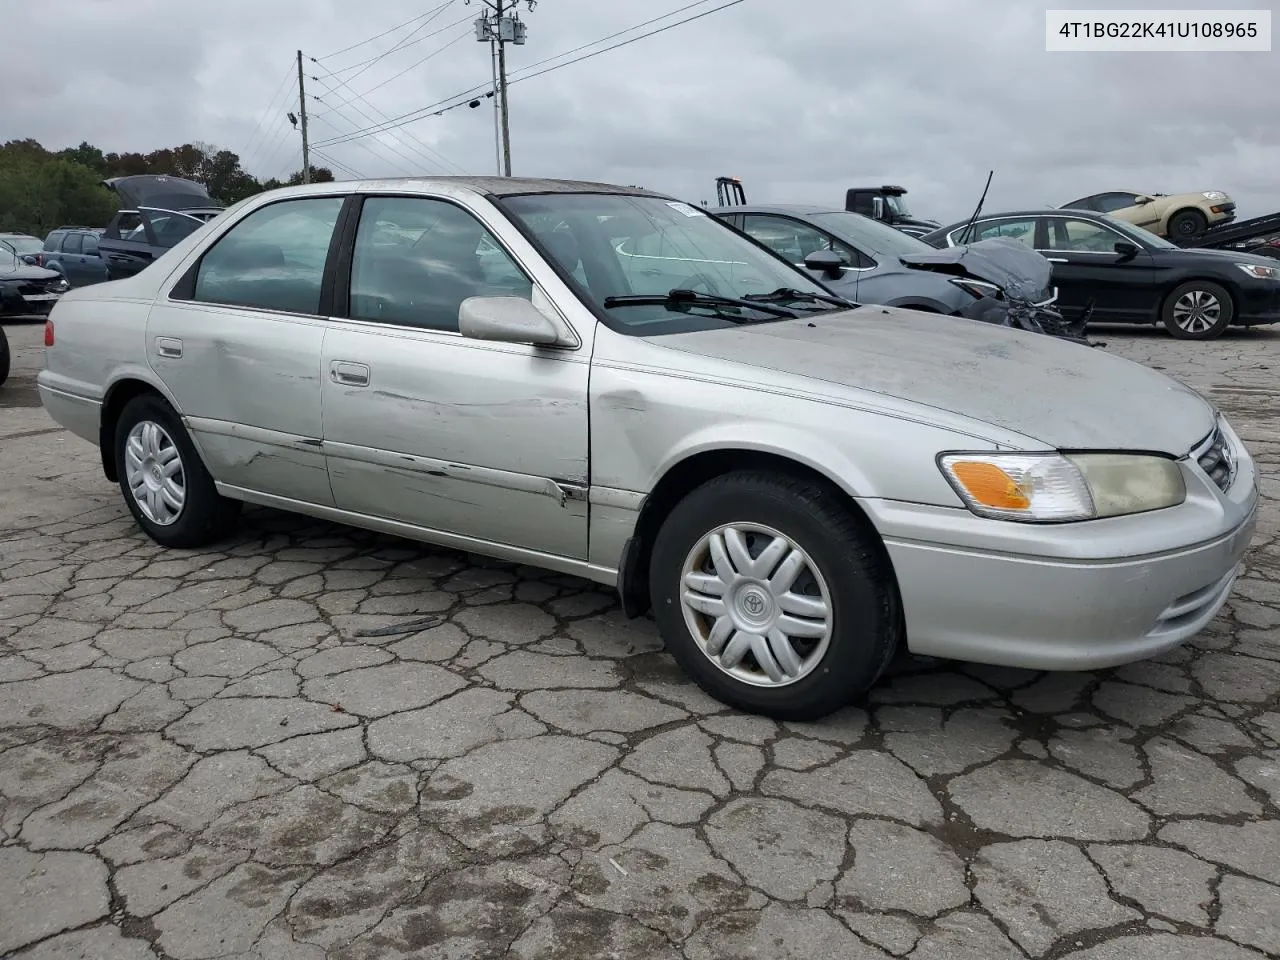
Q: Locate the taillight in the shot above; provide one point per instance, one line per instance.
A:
(48, 333)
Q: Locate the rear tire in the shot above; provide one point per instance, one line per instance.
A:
(1197, 310)
(1186, 224)
(4, 357)
(165, 484)
(772, 596)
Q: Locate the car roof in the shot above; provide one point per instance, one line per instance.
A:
(794, 209)
(487, 186)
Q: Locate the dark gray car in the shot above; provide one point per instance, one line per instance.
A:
(870, 254)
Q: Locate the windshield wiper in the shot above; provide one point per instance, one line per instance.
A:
(679, 297)
(793, 295)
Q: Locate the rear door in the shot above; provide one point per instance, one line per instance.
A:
(1086, 267)
(93, 267)
(238, 344)
(71, 258)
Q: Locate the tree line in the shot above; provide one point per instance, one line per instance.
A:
(42, 189)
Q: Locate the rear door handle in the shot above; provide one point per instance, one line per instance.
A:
(349, 374)
(1057, 259)
(169, 347)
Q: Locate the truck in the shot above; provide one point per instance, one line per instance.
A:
(1259, 235)
(885, 203)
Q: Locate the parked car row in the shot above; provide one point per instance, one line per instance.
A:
(611, 383)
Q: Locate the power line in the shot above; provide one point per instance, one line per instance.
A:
(404, 42)
(466, 95)
(272, 106)
(413, 66)
(398, 26)
(431, 156)
(405, 171)
(402, 46)
(413, 161)
(341, 166)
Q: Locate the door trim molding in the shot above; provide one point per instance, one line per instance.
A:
(242, 431)
(502, 551)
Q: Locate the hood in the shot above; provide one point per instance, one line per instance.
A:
(1010, 264)
(166, 193)
(1230, 256)
(25, 273)
(1064, 395)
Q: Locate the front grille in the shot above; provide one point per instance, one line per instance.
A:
(31, 288)
(1217, 460)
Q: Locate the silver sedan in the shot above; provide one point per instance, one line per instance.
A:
(611, 383)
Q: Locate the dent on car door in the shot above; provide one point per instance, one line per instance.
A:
(238, 345)
(422, 426)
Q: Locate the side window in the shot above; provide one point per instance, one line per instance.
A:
(416, 260)
(1084, 203)
(1081, 236)
(1024, 230)
(90, 245)
(71, 243)
(274, 258)
(171, 228)
(53, 242)
(789, 238)
(1111, 202)
(129, 226)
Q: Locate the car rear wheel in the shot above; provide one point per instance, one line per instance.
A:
(772, 596)
(1198, 310)
(166, 486)
(1186, 224)
(4, 357)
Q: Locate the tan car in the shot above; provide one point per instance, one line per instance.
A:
(1178, 216)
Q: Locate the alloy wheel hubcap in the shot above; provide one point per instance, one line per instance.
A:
(756, 604)
(153, 469)
(1197, 311)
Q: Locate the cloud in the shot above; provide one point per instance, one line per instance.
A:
(801, 101)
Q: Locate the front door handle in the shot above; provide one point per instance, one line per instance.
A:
(170, 347)
(349, 374)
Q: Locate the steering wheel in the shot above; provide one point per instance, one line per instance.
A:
(695, 280)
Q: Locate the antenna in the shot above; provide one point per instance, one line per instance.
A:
(964, 237)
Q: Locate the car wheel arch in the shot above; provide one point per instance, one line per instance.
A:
(118, 393)
(690, 472)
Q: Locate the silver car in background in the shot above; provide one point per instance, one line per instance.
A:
(611, 383)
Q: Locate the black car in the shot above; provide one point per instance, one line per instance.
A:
(1132, 276)
(156, 213)
(26, 289)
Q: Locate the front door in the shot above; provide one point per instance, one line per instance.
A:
(1086, 267)
(238, 345)
(422, 426)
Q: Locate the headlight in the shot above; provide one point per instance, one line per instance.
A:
(1054, 488)
(1259, 272)
(1214, 195)
(60, 286)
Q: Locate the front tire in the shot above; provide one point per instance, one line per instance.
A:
(165, 484)
(1186, 224)
(772, 596)
(1197, 310)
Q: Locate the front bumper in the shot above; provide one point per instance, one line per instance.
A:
(1085, 599)
(1258, 302)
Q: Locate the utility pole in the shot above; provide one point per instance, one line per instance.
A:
(302, 116)
(497, 108)
(503, 27)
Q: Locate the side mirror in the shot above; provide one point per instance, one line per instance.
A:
(505, 320)
(879, 211)
(1142, 199)
(1126, 249)
(826, 262)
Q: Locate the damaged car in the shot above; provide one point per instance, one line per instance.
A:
(866, 261)
(796, 488)
(156, 212)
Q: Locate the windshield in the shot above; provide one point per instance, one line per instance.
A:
(897, 205)
(8, 261)
(614, 245)
(867, 234)
(1143, 237)
(24, 244)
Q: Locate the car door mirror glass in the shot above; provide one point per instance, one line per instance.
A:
(826, 262)
(506, 320)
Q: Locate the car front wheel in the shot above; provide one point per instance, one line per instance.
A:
(166, 486)
(1186, 224)
(772, 596)
(1198, 310)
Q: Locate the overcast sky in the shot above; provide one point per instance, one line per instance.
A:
(929, 94)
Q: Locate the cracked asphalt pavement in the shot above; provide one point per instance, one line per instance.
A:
(314, 742)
